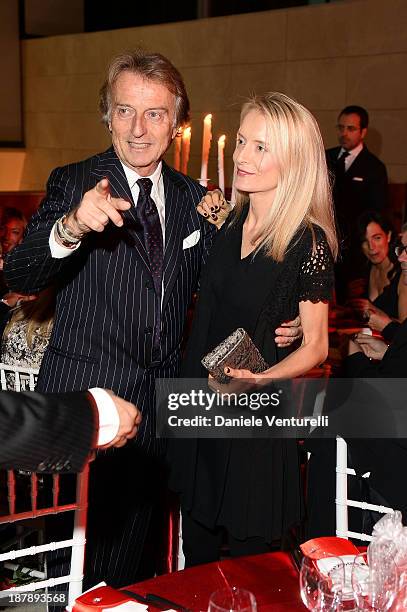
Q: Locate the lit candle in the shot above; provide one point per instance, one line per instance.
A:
(221, 163)
(186, 145)
(177, 151)
(206, 145)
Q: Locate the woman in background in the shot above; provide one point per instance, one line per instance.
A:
(386, 294)
(27, 332)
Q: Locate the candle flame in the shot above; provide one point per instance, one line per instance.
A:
(208, 119)
(186, 133)
(221, 140)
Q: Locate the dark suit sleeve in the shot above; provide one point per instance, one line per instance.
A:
(29, 267)
(360, 366)
(46, 433)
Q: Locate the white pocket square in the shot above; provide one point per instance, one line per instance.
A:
(358, 178)
(191, 240)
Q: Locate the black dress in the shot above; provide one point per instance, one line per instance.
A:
(388, 299)
(251, 487)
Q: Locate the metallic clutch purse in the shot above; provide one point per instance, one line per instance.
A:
(236, 351)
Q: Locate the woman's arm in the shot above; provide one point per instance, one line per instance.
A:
(312, 352)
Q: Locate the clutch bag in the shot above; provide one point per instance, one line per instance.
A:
(236, 351)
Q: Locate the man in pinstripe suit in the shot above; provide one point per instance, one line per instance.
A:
(88, 238)
(115, 327)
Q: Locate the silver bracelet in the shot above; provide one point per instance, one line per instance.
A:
(66, 237)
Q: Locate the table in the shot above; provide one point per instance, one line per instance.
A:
(272, 578)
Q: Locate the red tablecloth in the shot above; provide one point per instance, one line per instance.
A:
(272, 578)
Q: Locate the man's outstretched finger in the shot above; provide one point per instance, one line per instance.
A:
(102, 187)
(112, 209)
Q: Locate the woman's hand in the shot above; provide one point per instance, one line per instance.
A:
(214, 208)
(288, 332)
(12, 299)
(375, 318)
(374, 348)
(349, 347)
(378, 319)
(242, 381)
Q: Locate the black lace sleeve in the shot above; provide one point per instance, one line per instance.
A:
(316, 270)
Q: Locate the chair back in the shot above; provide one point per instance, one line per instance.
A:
(343, 503)
(24, 379)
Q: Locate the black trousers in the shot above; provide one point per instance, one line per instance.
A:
(126, 485)
(203, 545)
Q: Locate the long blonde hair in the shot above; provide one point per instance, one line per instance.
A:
(303, 194)
(39, 315)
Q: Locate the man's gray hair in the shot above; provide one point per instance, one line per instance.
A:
(153, 66)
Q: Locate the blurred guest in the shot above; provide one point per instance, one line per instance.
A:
(392, 359)
(368, 357)
(13, 224)
(27, 333)
(386, 459)
(360, 183)
(386, 293)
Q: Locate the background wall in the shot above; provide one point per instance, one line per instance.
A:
(326, 56)
(10, 105)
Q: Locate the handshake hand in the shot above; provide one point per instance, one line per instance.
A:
(129, 421)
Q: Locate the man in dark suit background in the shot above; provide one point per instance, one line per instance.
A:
(360, 184)
(120, 235)
(56, 432)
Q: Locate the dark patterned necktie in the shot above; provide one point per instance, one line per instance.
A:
(153, 238)
(340, 164)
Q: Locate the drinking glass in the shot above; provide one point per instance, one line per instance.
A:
(329, 598)
(312, 581)
(232, 599)
(374, 582)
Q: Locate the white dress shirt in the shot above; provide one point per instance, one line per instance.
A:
(157, 193)
(352, 155)
(108, 416)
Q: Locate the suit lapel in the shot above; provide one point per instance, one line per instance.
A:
(176, 208)
(109, 167)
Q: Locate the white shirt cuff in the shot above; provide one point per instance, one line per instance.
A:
(109, 420)
(57, 250)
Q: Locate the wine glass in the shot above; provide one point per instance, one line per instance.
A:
(329, 597)
(374, 582)
(232, 599)
(316, 584)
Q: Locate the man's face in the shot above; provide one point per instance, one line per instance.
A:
(350, 134)
(403, 258)
(12, 234)
(142, 122)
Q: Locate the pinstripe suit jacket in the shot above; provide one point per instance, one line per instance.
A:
(52, 433)
(106, 301)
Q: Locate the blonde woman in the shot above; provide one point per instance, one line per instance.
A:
(272, 260)
(27, 333)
